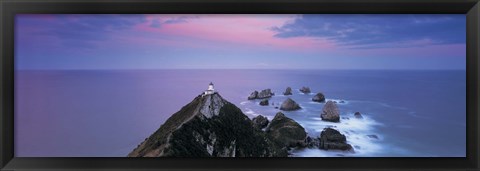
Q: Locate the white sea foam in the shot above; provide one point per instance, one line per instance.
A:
(250, 112)
(244, 102)
(352, 123)
(355, 129)
(338, 101)
(334, 100)
(414, 114)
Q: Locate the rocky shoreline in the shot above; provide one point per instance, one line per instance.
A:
(210, 126)
(329, 138)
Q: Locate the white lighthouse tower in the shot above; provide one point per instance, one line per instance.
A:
(210, 89)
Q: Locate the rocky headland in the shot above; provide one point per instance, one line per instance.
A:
(209, 126)
(286, 131)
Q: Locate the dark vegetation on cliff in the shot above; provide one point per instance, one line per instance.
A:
(232, 130)
(190, 133)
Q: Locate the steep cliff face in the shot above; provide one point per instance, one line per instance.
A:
(208, 126)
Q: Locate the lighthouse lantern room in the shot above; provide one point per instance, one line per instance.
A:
(210, 89)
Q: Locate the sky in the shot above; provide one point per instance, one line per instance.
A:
(254, 41)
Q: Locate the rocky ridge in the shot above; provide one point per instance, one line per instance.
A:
(209, 126)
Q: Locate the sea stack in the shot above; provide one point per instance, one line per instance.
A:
(288, 91)
(267, 93)
(253, 95)
(319, 97)
(305, 90)
(332, 139)
(330, 112)
(289, 105)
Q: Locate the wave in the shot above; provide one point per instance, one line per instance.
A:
(338, 101)
(346, 123)
(251, 114)
(360, 133)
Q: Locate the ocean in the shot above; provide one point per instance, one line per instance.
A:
(107, 113)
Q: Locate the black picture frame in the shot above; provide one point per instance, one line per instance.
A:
(9, 8)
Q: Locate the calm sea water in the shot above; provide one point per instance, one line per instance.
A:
(108, 113)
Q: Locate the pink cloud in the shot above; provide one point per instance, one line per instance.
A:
(242, 30)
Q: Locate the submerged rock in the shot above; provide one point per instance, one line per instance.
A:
(358, 115)
(331, 139)
(372, 136)
(305, 90)
(264, 102)
(289, 105)
(330, 112)
(288, 91)
(312, 142)
(209, 126)
(260, 122)
(319, 97)
(286, 131)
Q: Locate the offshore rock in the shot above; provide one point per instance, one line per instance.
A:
(253, 95)
(289, 105)
(358, 115)
(305, 90)
(288, 91)
(319, 97)
(330, 112)
(267, 93)
(331, 139)
(264, 102)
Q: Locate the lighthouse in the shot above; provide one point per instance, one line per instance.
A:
(210, 89)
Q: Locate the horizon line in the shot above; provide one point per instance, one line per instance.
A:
(98, 69)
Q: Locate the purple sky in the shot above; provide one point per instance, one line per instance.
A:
(240, 41)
